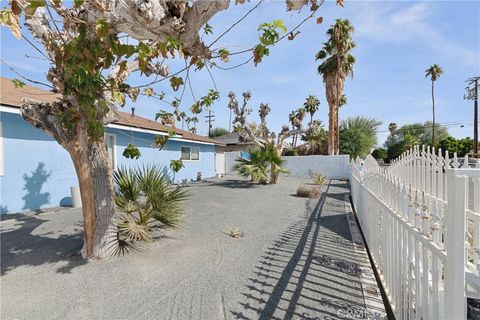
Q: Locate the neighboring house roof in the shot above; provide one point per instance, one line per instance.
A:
(12, 96)
(233, 139)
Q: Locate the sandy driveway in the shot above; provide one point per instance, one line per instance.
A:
(294, 261)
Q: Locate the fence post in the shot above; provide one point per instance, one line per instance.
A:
(455, 307)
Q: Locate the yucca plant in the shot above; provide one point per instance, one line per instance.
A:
(263, 162)
(146, 199)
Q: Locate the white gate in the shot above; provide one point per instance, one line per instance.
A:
(421, 221)
(219, 164)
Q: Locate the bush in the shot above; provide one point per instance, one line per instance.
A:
(317, 178)
(308, 191)
(146, 199)
(293, 152)
(460, 146)
(380, 153)
(259, 163)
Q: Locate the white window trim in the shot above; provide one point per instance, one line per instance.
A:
(188, 160)
(1, 150)
(114, 148)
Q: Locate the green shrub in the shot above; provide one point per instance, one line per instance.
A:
(293, 152)
(259, 164)
(146, 199)
(317, 178)
(380, 153)
(460, 146)
(308, 191)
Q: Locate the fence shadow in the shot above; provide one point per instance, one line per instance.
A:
(309, 272)
(21, 247)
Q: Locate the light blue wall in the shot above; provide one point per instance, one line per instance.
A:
(206, 164)
(38, 172)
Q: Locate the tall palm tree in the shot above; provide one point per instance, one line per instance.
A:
(337, 65)
(392, 127)
(311, 106)
(341, 103)
(434, 72)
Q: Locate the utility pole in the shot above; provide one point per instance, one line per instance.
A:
(472, 94)
(210, 120)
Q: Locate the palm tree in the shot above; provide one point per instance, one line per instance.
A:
(311, 106)
(359, 135)
(315, 136)
(261, 162)
(336, 66)
(392, 127)
(434, 72)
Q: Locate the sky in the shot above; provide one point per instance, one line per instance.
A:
(396, 42)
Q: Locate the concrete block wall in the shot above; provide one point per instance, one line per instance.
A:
(333, 167)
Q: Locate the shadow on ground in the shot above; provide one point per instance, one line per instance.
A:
(309, 272)
(22, 247)
(233, 183)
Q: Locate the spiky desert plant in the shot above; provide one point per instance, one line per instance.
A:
(317, 177)
(146, 199)
(233, 232)
(255, 167)
(260, 164)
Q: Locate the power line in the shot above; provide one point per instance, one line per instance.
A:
(444, 124)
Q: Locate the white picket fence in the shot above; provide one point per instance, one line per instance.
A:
(421, 220)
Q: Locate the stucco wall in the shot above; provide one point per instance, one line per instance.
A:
(230, 162)
(334, 167)
(38, 172)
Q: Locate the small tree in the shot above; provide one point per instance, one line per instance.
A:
(218, 132)
(358, 136)
(90, 64)
(452, 145)
(248, 132)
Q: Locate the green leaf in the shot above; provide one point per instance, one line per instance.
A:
(279, 24)
(119, 97)
(176, 82)
(149, 91)
(18, 83)
(101, 27)
(78, 3)
(131, 152)
(223, 54)
(33, 5)
(207, 28)
(176, 165)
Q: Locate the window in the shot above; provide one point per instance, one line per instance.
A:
(189, 153)
(110, 139)
(195, 154)
(1, 149)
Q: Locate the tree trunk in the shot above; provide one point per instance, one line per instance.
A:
(337, 132)
(433, 116)
(331, 130)
(273, 174)
(94, 174)
(96, 187)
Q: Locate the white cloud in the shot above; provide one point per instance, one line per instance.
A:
(384, 22)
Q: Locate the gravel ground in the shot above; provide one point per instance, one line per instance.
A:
(295, 260)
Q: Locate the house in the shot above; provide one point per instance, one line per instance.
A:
(233, 143)
(36, 172)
